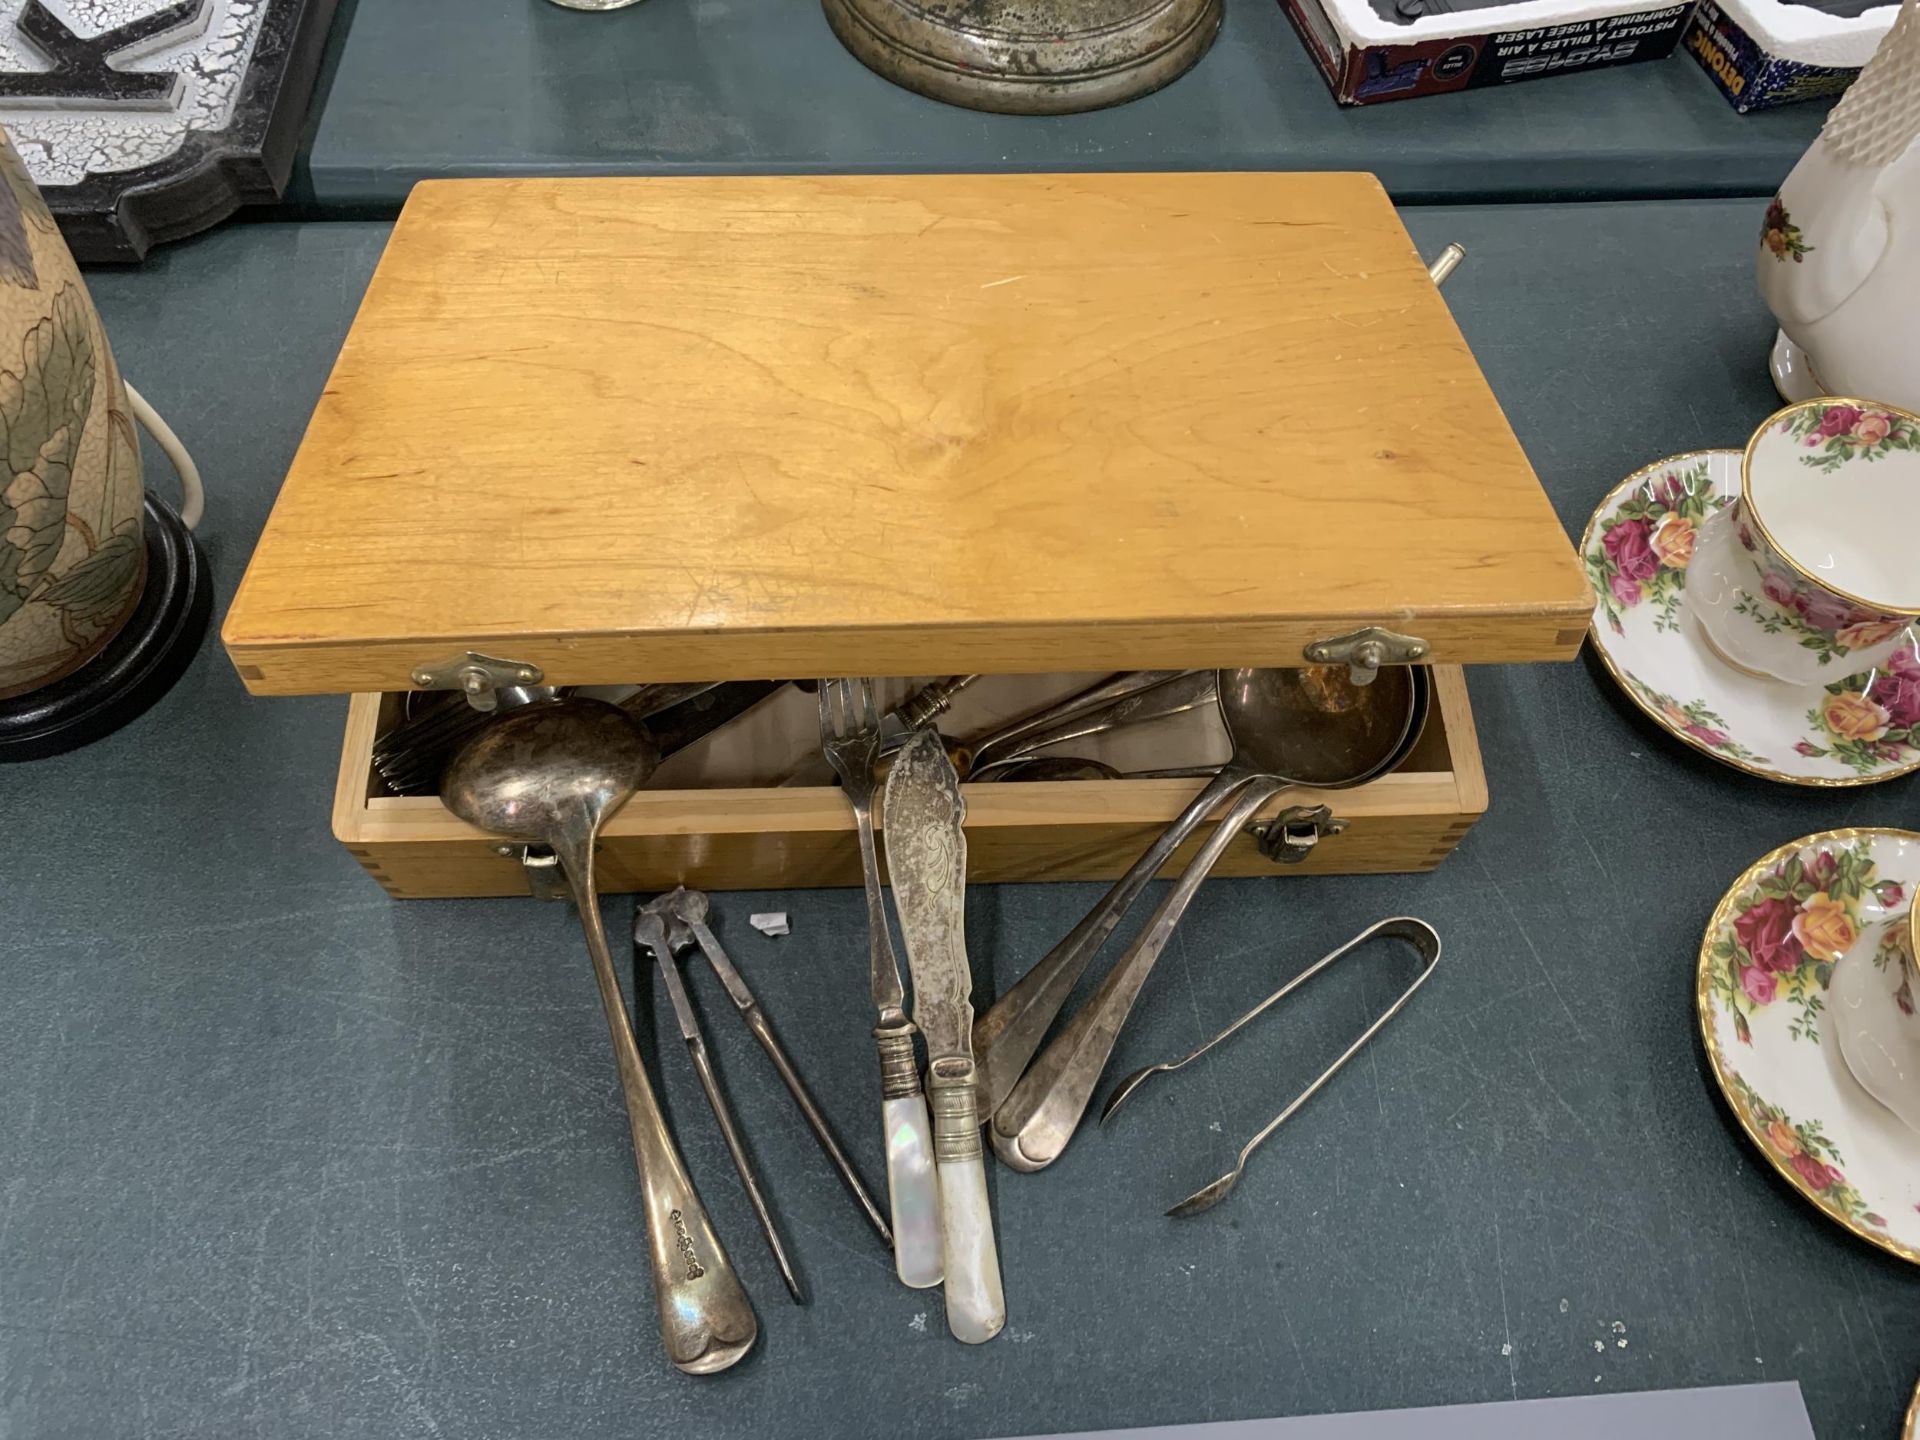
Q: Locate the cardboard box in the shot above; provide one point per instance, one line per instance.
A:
(1367, 59)
(1763, 53)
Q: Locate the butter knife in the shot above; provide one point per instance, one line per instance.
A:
(927, 861)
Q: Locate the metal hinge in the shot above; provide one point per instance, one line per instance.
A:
(1363, 652)
(1289, 837)
(477, 676)
(545, 879)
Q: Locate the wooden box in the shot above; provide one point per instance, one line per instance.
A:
(695, 428)
(737, 839)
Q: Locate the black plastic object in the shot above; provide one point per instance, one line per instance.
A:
(1844, 9)
(1405, 12)
(138, 665)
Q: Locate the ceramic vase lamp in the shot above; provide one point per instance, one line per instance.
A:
(103, 593)
(1029, 57)
(1839, 258)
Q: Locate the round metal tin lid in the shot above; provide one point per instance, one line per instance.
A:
(1028, 56)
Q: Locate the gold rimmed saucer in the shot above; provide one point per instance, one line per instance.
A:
(1760, 992)
(1853, 729)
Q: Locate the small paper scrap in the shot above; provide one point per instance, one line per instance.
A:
(771, 924)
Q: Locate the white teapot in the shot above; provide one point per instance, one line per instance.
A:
(1839, 258)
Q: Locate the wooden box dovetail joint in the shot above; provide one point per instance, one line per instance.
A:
(804, 837)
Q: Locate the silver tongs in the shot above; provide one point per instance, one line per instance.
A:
(669, 925)
(1417, 933)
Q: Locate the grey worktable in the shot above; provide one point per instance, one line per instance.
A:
(429, 88)
(280, 1157)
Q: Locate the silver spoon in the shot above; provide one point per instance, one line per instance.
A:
(1006, 1038)
(1161, 702)
(1288, 727)
(552, 772)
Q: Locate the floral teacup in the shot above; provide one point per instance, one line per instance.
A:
(1873, 1014)
(1818, 561)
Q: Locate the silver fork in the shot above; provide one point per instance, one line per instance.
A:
(850, 739)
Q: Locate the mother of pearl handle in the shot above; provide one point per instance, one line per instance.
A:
(913, 1191)
(976, 1308)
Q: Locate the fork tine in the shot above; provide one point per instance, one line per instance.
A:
(834, 709)
(869, 712)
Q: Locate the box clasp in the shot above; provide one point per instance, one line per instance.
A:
(1289, 837)
(477, 676)
(1363, 652)
(545, 879)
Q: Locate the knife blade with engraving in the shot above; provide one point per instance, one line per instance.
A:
(927, 863)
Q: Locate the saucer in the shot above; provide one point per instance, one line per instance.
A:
(1851, 730)
(1760, 989)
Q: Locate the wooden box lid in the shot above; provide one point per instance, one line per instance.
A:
(719, 427)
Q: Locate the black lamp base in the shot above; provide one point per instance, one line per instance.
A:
(138, 665)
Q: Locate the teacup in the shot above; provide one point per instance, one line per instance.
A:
(1813, 574)
(1874, 1016)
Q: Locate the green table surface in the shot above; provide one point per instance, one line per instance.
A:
(281, 1157)
(429, 88)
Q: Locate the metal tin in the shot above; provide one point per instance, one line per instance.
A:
(1028, 57)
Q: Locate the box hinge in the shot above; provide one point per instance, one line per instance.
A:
(1289, 837)
(477, 676)
(1363, 652)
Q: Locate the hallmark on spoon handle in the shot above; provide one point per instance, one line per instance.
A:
(706, 1321)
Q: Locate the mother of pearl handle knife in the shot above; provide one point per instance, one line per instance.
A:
(927, 860)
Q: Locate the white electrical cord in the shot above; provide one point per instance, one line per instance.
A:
(193, 497)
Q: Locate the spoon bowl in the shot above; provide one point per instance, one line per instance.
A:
(1315, 726)
(543, 760)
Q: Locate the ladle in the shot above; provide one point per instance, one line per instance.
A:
(552, 772)
(1007, 1036)
(1311, 727)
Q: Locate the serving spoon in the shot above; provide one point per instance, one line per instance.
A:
(1006, 1038)
(552, 772)
(1310, 726)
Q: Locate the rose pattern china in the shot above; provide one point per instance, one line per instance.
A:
(1871, 997)
(1855, 728)
(1811, 569)
(1840, 244)
(1765, 969)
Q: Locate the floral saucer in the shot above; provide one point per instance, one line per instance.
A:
(1852, 730)
(1763, 973)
